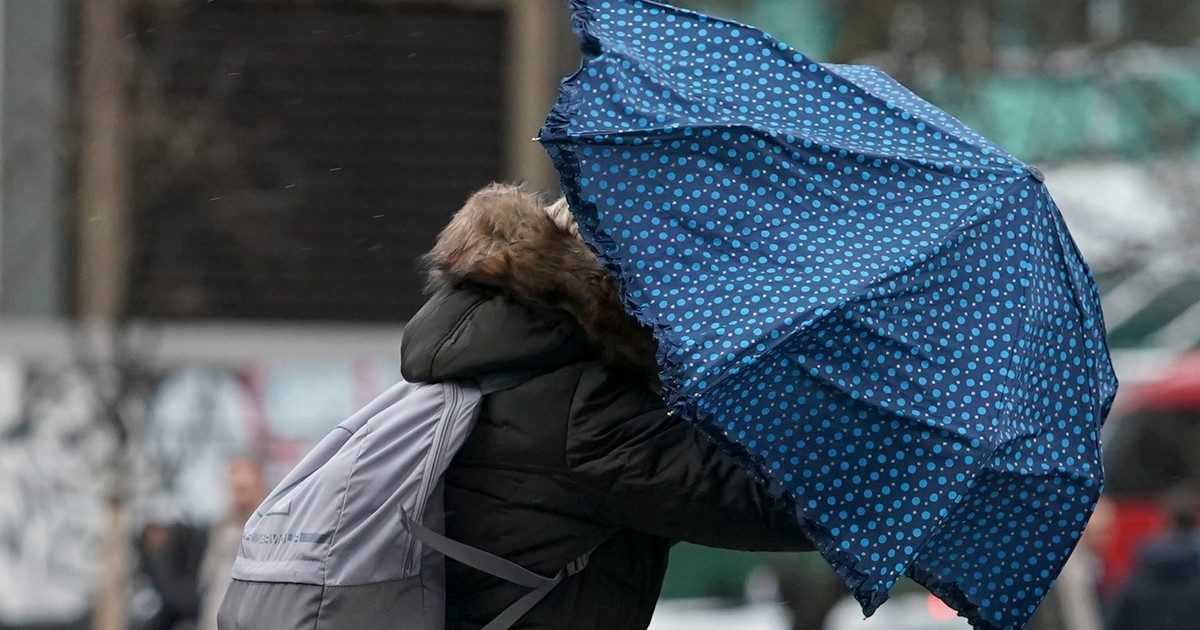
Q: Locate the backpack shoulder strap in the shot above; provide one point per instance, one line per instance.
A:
(495, 565)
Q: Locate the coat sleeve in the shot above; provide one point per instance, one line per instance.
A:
(652, 472)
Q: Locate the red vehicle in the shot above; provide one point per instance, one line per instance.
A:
(1151, 445)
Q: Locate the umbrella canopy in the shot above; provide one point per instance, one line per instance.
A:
(876, 309)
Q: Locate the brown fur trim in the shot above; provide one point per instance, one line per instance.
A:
(504, 238)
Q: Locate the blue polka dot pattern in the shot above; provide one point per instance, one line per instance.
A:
(876, 309)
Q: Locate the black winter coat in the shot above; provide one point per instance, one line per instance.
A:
(582, 455)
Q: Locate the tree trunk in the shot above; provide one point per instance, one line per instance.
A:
(111, 597)
(103, 228)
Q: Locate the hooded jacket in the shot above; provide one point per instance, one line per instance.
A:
(1163, 593)
(582, 454)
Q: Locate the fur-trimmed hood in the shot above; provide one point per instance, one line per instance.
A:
(508, 238)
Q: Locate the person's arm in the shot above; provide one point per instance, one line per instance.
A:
(655, 473)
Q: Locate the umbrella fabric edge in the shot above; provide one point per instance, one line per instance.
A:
(565, 159)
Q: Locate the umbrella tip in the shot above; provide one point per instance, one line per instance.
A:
(1036, 174)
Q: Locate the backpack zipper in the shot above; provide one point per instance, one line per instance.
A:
(433, 462)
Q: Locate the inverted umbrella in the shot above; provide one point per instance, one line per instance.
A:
(879, 311)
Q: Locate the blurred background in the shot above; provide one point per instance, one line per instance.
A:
(210, 212)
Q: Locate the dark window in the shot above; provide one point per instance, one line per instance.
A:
(1151, 451)
(293, 160)
(1164, 22)
(1059, 24)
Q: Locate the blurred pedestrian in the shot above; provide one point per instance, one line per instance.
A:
(581, 455)
(247, 489)
(1163, 593)
(169, 557)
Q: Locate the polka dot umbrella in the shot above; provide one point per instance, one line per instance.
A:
(879, 311)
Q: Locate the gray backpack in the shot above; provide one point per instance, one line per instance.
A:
(352, 537)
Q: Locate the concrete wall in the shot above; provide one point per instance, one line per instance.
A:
(33, 177)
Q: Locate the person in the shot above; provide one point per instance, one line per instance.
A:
(1163, 592)
(169, 557)
(582, 454)
(247, 489)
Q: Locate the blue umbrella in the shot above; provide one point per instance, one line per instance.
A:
(879, 311)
